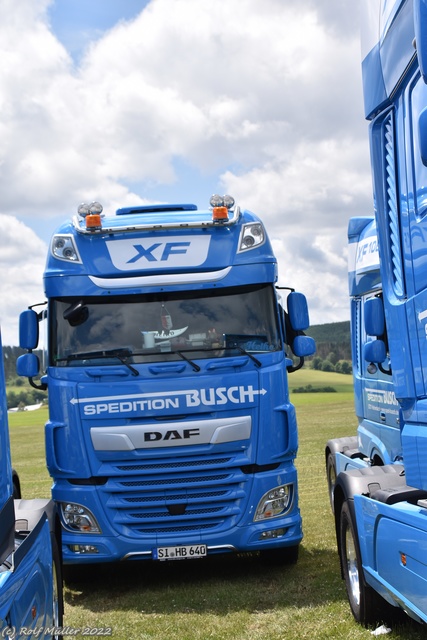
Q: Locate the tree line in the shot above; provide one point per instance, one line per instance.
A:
(333, 347)
(19, 393)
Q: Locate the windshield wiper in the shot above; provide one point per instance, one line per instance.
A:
(193, 364)
(246, 353)
(204, 349)
(120, 354)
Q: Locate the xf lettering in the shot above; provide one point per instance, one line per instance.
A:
(170, 248)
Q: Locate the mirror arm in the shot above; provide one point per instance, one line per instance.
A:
(42, 386)
(387, 372)
(292, 368)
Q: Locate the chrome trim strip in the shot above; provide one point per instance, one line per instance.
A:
(171, 434)
(159, 280)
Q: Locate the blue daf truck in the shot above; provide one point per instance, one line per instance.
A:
(171, 434)
(30, 567)
(378, 480)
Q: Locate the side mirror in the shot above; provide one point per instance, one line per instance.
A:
(303, 346)
(298, 311)
(28, 365)
(374, 317)
(375, 351)
(28, 330)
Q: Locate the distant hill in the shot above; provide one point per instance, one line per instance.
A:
(333, 337)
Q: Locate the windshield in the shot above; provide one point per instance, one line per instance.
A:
(163, 326)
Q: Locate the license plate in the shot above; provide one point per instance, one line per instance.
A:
(187, 552)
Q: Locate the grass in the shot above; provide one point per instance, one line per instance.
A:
(232, 598)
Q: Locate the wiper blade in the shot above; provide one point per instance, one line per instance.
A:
(120, 354)
(193, 364)
(246, 353)
(204, 349)
(123, 360)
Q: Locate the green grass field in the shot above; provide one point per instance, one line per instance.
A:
(231, 598)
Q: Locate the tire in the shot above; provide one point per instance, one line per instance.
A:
(16, 486)
(331, 476)
(367, 606)
(58, 596)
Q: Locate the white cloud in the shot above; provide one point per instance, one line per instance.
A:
(22, 260)
(306, 202)
(267, 95)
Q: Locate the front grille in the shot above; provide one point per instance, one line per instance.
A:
(161, 497)
(164, 481)
(177, 497)
(163, 514)
(171, 465)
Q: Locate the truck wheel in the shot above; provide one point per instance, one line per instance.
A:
(331, 476)
(58, 598)
(367, 606)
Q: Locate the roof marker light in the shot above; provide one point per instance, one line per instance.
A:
(92, 214)
(220, 207)
(83, 209)
(228, 201)
(216, 201)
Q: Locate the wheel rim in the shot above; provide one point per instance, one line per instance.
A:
(332, 478)
(55, 601)
(352, 570)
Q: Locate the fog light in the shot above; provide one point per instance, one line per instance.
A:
(83, 548)
(78, 519)
(274, 533)
(274, 503)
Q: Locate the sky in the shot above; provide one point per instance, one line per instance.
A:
(143, 101)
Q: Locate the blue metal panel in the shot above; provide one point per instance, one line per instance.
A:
(385, 533)
(387, 60)
(374, 90)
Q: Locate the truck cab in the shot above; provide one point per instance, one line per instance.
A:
(171, 433)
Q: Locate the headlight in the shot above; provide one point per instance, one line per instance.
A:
(274, 503)
(252, 235)
(63, 247)
(78, 519)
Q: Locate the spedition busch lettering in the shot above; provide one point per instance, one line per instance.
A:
(189, 398)
(381, 396)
